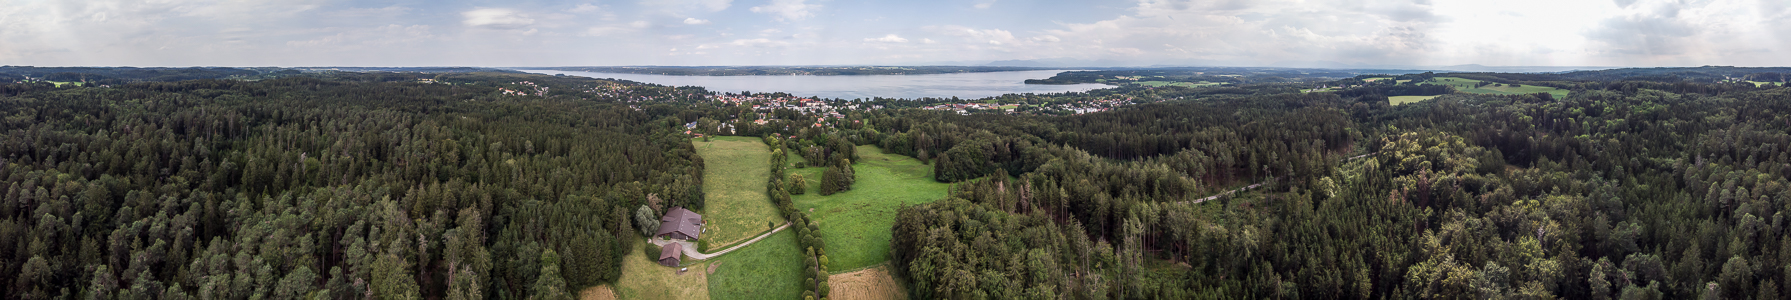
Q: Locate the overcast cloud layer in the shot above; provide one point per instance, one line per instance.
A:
(811, 32)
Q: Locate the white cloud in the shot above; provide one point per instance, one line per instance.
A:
(695, 21)
(496, 18)
(984, 4)
(892, 38)
(585, 8)
(384, 35)
(759, 43)
(787, 10)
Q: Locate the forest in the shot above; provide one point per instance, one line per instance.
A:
(386, 185)
(344, 186)
(1631, 190)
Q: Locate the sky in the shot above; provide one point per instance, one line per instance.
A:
(1621, 33)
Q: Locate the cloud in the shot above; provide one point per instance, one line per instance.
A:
(496, 18)
(985, 4)
(695, 21)
(384, 35)
(892, 38)
(683, 7)
(585, 8)
(787, 10)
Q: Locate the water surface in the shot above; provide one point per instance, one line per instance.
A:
(961, 85)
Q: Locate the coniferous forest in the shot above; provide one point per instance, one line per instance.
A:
(510, 186)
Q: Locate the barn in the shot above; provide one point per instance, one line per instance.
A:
(670, 253)
(680, 223)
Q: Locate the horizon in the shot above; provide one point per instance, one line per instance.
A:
(1114, 33)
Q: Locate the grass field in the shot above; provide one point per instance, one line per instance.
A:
(61, 83)
(873, 284)
(768, 269)
(856, 223)
(734, 180)
(1176, 83)
(1467, 86)
(1397, 100)
(643, 278)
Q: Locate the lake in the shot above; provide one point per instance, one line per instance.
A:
(961, 85)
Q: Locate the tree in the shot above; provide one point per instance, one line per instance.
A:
(798, 185)
(646, 220)
(549, 285)
(392, 278)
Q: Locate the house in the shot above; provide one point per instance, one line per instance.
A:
(670, 253)
(680, 223)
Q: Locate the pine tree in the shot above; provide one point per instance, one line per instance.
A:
(549, 285)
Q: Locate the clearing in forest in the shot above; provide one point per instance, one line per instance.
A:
(734, 172)
(644, 278)
(1177, 83)
(1397, 100)
(768, 269)
(856, 224)
(1467, 86)
(868, 284)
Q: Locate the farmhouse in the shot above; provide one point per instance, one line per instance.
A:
(680, 223)
(669, 255)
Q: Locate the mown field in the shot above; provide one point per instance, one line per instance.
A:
(643, 278)
(735, 169)
(1176, 83)
(1467, 86)
(768, 269)
(1397, 100)
(867, 284)
(856, 223)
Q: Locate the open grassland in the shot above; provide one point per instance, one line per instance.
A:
(643, 278)
(868, 284)
(1397, 100)
(62, 83)
(1177, 83)
(1372, 79)
(735, 169)
(768, 269)
(1467, 86)
(856, 223)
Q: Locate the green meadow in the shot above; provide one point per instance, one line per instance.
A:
(1397, 100)
(856, 224)
(1467, 86)
(737, 209)
(768, 269)
(1176, 83)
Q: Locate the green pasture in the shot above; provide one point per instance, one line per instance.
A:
(1177, 83)
(734, 174)
(768, 269)
(856, 224)
(1397, 100)
(1467, 86)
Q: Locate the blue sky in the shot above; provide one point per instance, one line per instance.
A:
(815, 32)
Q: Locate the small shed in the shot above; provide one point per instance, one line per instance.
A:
(670, 254)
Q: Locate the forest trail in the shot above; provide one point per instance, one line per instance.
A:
(690, 248)
(1259, 184)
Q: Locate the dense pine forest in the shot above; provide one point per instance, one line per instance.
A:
(341, 187)
(511, 186)
(1632, 190)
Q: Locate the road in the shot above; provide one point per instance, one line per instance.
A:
(690, 248)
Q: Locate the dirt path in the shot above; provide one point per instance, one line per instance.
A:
(1259, 184)
(690, 248)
